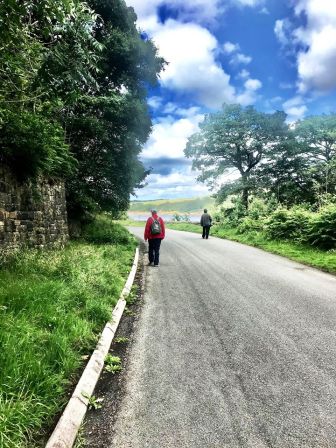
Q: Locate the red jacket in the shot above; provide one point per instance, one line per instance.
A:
(148, 235)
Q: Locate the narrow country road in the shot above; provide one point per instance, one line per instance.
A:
(235, 348)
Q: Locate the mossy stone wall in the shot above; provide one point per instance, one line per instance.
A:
(32, 214)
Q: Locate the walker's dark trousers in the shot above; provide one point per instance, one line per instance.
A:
(154, 250)
(205, 233)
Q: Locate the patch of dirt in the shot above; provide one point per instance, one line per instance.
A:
(99, 423)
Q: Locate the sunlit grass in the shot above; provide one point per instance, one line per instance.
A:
(53, 306)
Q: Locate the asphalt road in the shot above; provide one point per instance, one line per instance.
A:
(236, 348)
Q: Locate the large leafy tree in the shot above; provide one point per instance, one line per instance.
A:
(32, 88)
(108, 128)
(302, 168)
(235, 139)
(288, 176)
(317, 137)
(73, 82)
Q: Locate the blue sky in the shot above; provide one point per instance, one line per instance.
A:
(273, 54)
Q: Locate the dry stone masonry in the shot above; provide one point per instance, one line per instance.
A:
(31, 215)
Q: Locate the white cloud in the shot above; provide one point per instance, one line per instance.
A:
(177, 184)
(279, 30)
(237, 57)
(170, 135)
(295, 108)
(229, 47)
(249, 96)
(244, 74)
(241, 58)
(264, 11)
(253, 84)
(316, 67)
(316, 61)
(155, 102)
(190, 51)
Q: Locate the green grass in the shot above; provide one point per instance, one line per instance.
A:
(320, 259)
(53, 306)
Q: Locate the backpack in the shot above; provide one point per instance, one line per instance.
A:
(155, 227)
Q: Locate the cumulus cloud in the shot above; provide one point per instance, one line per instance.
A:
(190, 50)
(253, 84)
(176, 184)
(295, 108)
(240, 58)
(264, 11)
(193, 72)
(316, 56)
(250, 95)
(316, 67)
(154, 102)
(237, 57)
(281, 31)
(229, 47)
(170, 135)
(244, 74)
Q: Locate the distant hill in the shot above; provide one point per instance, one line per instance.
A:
(188, 205)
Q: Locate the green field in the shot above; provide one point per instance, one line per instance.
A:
(191, 205)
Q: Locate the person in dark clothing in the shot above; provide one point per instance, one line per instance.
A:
(206, 221)
(154, 233)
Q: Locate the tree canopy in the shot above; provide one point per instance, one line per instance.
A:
(293, 164)
(73, 83)
(234, 139)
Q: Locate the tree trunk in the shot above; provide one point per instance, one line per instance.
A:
(245, 197)
(245, 192)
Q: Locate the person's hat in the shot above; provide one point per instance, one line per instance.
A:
(154, 210)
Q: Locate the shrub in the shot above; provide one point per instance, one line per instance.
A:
(104, 231)
(288, 224)
(249, 224)
(321, 231)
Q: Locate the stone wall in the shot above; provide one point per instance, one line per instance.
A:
(31, 215)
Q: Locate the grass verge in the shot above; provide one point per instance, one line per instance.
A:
(320, 259)
(53, 306)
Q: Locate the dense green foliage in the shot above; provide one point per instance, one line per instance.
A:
(234, 139)
(287, 185)
(53, 305)
(73, 84)
(290, 164)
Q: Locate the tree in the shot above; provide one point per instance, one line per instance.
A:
(317, 136)
(108, 128)
(39, 72)
(288, 176)
(74, 77)
(235, 139)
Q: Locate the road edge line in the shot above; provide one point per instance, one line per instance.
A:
(66, 430)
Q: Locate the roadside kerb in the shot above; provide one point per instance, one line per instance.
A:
(68, 425)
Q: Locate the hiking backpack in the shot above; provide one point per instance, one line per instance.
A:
(155, 227)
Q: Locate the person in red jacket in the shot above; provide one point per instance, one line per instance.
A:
(154, 233)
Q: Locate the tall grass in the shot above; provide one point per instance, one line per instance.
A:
(53, 306)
